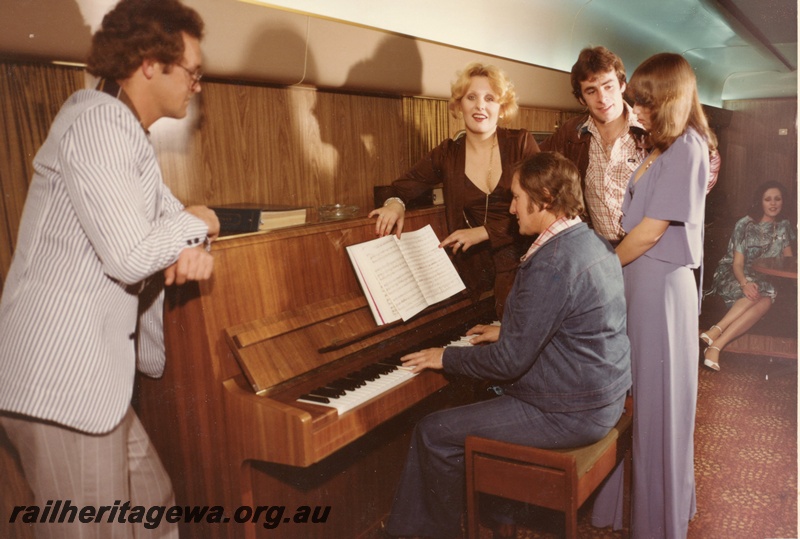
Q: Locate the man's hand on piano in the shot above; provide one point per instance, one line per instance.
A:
(388, 216)
(484, 333)
(193, 264)
(424, 359)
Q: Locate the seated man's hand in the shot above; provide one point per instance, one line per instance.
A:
(426, 359)
(484, 333)
(193, 264)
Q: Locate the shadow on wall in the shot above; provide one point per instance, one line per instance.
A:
(291, 125)
(360, 138)
(344, 147)
(397, 58)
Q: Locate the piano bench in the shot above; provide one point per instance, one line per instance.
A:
(559, 479)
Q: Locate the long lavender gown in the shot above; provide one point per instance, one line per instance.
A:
(662, 297)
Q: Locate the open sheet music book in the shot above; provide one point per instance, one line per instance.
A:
(402, 277)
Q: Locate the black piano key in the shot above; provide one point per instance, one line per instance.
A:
(378, 369)
(391, 361)
(328, 392)
(315, 398)
(344, 383)
(364, 375)
(385, 369)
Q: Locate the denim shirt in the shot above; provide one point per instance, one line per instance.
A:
(563, 345)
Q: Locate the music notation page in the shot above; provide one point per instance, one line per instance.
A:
(402, 277)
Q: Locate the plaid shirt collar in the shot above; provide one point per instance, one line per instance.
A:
(589, 125)
(559, 225)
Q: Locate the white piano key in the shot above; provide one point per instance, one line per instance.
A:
(370, 390)
(464, 339)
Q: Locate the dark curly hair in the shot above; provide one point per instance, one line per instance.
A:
(551, 181)
(591, 62)
(756, 210)
(136, 30)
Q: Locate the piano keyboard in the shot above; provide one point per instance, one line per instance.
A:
(358, 387)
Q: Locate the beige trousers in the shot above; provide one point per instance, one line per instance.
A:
(96, 471)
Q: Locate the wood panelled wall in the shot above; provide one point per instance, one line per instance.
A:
(244, 143)
(755, 151)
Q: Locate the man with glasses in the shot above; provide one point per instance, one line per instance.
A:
(195, 75)
(100, 237)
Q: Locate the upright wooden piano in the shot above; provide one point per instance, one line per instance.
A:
(282, 316)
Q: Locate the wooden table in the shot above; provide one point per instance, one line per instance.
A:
(783, 266)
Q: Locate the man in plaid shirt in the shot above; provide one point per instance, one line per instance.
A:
(605, 144)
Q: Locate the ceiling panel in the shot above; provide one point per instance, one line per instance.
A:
(720, 45)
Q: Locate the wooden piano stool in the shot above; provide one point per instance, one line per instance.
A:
(560, 479)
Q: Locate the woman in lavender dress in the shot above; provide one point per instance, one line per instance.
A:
(663, 218)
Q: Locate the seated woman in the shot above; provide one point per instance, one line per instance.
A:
(764, 232)
(561, 359)
(475, 171)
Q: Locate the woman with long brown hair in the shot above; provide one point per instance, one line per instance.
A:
(663, 219)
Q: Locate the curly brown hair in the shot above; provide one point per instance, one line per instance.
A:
(591, 62)
(551, 181)
(137, 30)
(756, 210)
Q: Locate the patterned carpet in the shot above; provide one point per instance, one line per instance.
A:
(745, 457)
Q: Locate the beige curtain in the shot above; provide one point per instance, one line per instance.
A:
(30, 97)
(427, 122)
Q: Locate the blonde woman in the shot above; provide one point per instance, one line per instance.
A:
(476, 173)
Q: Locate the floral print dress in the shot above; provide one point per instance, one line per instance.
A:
(754, 240)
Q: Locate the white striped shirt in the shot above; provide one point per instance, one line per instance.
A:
(98, 221)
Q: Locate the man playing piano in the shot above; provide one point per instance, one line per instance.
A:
(82, 305)
(560, 360)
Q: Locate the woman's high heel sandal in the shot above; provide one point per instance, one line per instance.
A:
(713, 365)
(708, 340)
